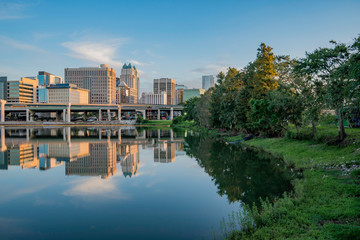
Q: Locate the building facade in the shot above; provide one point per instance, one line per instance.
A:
(190, 93)
(165, 85)
(179, 93)
(23, 91)
(100, 81)
(46, 79)
(130, 76)
(152, 98)
(208, 82)
(67, 93)
(3, 88)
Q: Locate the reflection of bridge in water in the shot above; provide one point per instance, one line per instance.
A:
(86, 151)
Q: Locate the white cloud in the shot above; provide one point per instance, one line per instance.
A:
(134, 62)
(11, 10)
(96, 51)
(20, 45)
(94, 187)
(210, 69)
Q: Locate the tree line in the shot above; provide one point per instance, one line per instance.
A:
(274, 91)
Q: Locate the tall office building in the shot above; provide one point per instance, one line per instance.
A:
(3, 88)
(166, 85)
(130, 76)
(208, 82)
(101, 81)
(179, 93)
(46, 78)
(23, 91)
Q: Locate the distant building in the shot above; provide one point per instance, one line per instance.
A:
(67, 93)
(125, 94)
(152, 98)
(3, 88)
(101, 81)
(179, 93)
(166, 85)
(130, 76)
(23, 91)
(190, 93)
(46, 78)
(208, 82)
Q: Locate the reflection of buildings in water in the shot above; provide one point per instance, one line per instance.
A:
(100, 162)
(179, 146)
(128, 156)
(65, 152)
(52, 155)
(165, 152)
(24, 155)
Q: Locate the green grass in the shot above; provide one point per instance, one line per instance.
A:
(325, 204)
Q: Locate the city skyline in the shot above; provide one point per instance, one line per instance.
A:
(182, 49)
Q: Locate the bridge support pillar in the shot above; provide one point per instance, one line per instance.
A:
(85, 115)
(119, 113)
(64, 115)
(68, 116)
(171, 113)
(143, 113)
(158, 114)
(100, 115)
(108, 115)
(31, 115)
(27, 115)
(100, 133)
(2, 102)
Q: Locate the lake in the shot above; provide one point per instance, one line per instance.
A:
(127, 182)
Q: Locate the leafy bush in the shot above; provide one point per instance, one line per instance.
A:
(139, 119)
(178, 119)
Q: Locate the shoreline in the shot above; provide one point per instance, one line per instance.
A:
(324, 203)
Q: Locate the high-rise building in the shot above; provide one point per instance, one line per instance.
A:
(179, 93)
(165, 85)
(46, 78)
(208, 82)
(3, 88)
(101, 81)
(125, 94)
(130, 76)
(23, 91)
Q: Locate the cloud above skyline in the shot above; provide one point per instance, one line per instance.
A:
(96, 51)
(12, 10)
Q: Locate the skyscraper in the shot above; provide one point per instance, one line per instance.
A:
(166, 85)
(101, 81)
(46, 78)
(130, 76)
(208, 82)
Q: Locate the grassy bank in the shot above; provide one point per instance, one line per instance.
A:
(325, 203)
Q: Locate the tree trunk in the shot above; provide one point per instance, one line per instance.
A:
(313, 128)
(341, 127)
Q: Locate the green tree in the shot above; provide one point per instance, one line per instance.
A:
(329, 67)
(189, 108)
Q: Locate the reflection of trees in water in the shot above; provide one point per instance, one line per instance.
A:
(241, 173)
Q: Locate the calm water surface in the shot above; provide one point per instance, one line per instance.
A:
(126, 183)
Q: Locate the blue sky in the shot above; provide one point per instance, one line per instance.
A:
(178, 39)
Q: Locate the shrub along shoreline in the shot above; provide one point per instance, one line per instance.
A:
(325, 203)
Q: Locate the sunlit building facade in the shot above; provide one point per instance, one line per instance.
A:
(165, 85)
(100, 81)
